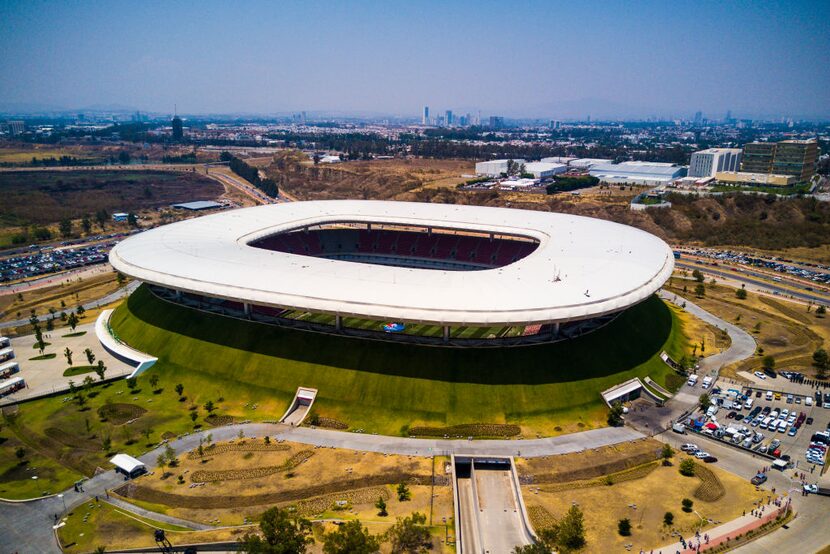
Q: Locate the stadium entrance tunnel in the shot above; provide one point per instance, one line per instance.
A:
(461, 336)
(627, 346)
(402, 246)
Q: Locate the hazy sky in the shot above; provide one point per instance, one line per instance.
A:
(548, 59)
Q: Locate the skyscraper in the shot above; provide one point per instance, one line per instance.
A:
(425, 116)
(449, 117)
(178, 130)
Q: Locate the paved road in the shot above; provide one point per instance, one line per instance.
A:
(112, 297)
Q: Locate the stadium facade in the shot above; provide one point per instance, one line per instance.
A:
(461, 275)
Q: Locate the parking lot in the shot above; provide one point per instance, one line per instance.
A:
(730, 423)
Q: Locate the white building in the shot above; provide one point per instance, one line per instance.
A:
(587, 163)
(543, 170)
(494, 168)
(706, 163)
(559, 159)
(637, 173)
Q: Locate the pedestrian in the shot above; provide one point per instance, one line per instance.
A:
(96, 499)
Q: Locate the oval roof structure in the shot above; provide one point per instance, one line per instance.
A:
(582, 268)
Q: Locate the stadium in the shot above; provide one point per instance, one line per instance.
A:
(429, 273)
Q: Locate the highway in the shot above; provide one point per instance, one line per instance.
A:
(760, 280)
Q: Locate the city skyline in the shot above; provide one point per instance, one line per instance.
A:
(605, 60)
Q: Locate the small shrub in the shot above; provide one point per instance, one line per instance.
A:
(668, 519)
(687, 467)
(687, 504)
(624, 527)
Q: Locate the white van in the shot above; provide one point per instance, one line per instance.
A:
(748, 404)
(808, 400)
(782, 425)
(769, 395)
(692, 380)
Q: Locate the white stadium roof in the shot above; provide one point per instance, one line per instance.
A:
(582, 268)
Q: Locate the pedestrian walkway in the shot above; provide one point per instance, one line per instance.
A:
(722, 534)
(137, 510)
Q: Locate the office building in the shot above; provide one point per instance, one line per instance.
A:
(448, 117)
(706, 163)
(16, 127)
(796, 158)
(496, 122)
(178, 129)
(757, 157)
(425, 116)
(787, 157)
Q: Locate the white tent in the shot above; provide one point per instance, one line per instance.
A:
(128, 465)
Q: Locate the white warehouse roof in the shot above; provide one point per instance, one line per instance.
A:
(126, 463)
(582, 268)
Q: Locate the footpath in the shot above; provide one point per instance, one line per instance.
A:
(730, 530)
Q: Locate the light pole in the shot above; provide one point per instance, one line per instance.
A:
(64, 501)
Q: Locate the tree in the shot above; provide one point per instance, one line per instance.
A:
(65, 228)
(821, 361)
(667, 454)
(280, 534)
(403, 492)
(154, 381)
(381, 506)
(768, 363)
(170, 454)
(68, 354)
(90, 357)
(820, 311)
(193, 416)
(132, 383)
(80, 310)
(100, 369)
(704, 402)
(350, 538)
(700, 290)
(740, 294)
(179, 389)
(410, 535)
(615, 415)
(86, 225)
(668, 519)
(209, 407)
(624, 527)
(161, 461)
(101, 217)
(20, 452)
(687, 467)
(687, 504)
(73, 320)
(571, 530)
(132, 220)
(124, 157)
(88, 381)
(106, 443)
(697, 276)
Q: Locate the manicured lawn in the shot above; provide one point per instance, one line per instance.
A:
(384, 387)
(16, 476)
(43, 357)
(78, 334)
(78, 370)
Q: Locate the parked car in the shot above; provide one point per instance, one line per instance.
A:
(710, 459)
(760, 375)
(759, 479)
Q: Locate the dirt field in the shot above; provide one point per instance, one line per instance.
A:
(644, 501)
(375, 179)
(45, 197)
(312, 480)
(783, 329)
(73, 292)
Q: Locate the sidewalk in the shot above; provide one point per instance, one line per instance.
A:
(729, 530)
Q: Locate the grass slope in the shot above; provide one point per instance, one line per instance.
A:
(385, 387)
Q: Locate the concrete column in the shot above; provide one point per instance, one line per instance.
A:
(492, 237)
(368, 226)
(429, 231)
(338, 322)
(446, 333)
(178, 295)
(555, 331)
(247, 309)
